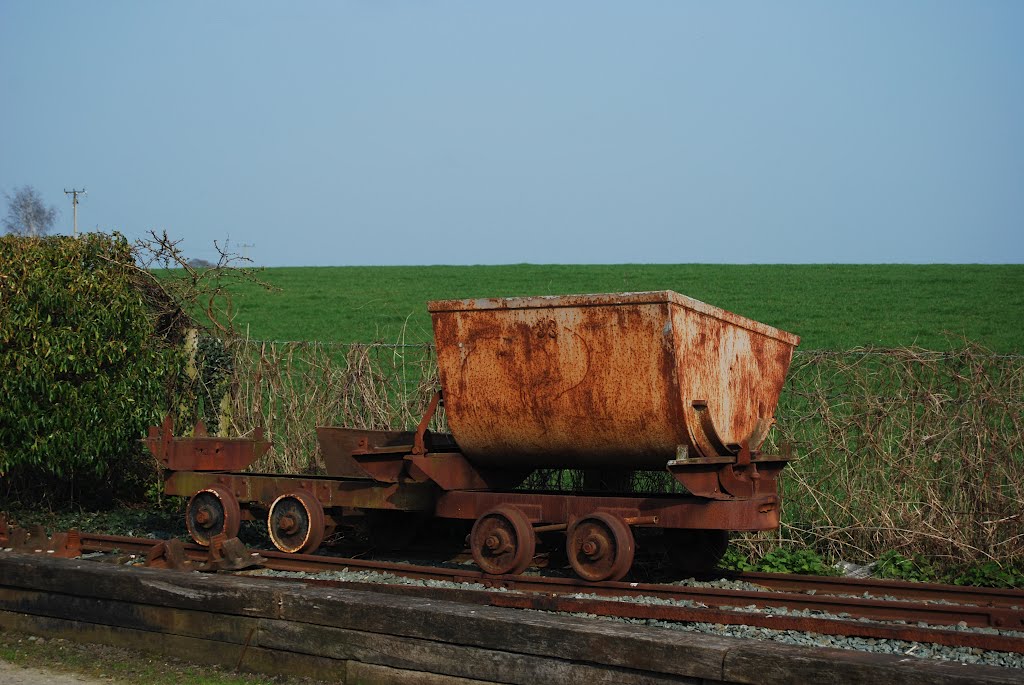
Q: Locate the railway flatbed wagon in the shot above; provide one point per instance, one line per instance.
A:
(607, 384)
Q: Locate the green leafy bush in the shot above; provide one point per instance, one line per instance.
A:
(894, 565)
(87, 361)
(779, 560)
(803, 561)
(736, 560)
(890, 565)
(989, 574)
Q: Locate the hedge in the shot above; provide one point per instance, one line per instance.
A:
(87, 360)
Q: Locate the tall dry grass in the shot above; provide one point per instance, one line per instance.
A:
(908, 450)
(290, 388)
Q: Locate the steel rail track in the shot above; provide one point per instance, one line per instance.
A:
(973, 607)
(903, 620)
(890, 588)
(993, 598)
(680, 614)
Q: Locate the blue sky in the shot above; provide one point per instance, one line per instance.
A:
(343, 133)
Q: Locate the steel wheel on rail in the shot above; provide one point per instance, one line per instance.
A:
(502, 541)
(600, 547)
(693, 551)
(296, 522)
(212, 511)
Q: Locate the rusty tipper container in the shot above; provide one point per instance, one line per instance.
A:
(617, 381)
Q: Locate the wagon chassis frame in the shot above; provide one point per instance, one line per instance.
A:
(403, 477)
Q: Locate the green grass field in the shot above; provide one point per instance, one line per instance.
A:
(829, 306)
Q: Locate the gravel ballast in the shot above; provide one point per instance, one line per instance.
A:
(969, 655)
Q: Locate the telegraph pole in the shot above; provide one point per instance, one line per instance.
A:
(74, 204)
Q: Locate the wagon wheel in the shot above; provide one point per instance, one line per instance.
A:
(502, 541)
(692, 551)
(212, 511)
(600, 547)
(296, 522)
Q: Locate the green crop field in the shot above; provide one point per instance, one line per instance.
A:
(829, 306)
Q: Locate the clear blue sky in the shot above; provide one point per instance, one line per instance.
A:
(336, 133)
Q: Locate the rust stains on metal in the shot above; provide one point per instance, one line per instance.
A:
(264, 489)
(338, 445)
(451, 471)
(34, 540)
(377, 454)
(670, 511)
(603, 380)
(203, 452)
(223, 554)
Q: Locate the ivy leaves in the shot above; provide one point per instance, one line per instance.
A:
(82, 371)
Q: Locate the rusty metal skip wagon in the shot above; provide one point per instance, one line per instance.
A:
(607, 384)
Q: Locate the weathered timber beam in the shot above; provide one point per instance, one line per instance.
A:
(236, 634)
(531, 633)
(196, 650)
(499, 664)
(433, 638)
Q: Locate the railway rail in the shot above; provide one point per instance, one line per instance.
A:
(983, 618)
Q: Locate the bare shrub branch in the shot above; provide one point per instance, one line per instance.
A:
(174, 285)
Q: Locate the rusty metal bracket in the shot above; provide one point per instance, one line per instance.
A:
(452, 471)
(169, 554)
(223, 554)
(743, 457)
(641, 520)
(740, 483)
(760, 432)
(34, 540)
(203, 452)
(229, 554)
(723, 471)
(419, 443)
(740, 479)
(703, 433)
(66, 545)
(700, 480)
(16, 539)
